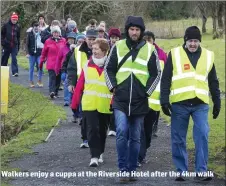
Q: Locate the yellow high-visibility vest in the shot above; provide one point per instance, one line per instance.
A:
(81, 59)
(137, 67)
(187, 82)
(96, 95)
(154, 99)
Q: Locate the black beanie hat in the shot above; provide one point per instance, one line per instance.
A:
(192, 32)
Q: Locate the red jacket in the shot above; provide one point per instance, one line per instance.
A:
(50, 52)
(81, 82)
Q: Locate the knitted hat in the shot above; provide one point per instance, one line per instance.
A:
(80, 36)
(192, 32)
(71, 35)
(55, 29)
(114, 32)
(91, 33)
(100, 28)
(71, 25)
(14, 16)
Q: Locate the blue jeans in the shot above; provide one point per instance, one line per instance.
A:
(32, 61)
(5, 57)
(67, 94)
(128, 130)
(179, 126)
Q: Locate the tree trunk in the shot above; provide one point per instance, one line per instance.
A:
(220, 16)
(204, 20)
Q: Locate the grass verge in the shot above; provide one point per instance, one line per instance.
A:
(32, 132)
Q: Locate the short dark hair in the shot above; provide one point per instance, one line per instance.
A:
(35, 24)
(149, 34)
(68, 16)
(41, 15)
(92, 21)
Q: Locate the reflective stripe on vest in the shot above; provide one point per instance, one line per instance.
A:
(138, 67)
(81, 59)
(187, 82)
(96, 95)
(154, 99)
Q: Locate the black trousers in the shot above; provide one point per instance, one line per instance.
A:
(112, 123)
(54, 82)
(97, 124)
(83, 129)
(146, 133)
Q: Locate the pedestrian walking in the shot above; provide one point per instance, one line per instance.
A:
(10, 41)
(49, 54)
(188, 77)
(132, 73)
(95, 100)
(34, 48)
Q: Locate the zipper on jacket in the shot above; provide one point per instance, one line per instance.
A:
(35, 43)
(130, 96)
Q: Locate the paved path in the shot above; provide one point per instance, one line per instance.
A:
(62, 154)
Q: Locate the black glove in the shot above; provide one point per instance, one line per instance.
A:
(216, 110)
(166, 108)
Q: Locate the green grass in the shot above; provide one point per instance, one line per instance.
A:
(23, 62)
(34, 132)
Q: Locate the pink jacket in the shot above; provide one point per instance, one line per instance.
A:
(61, 57)
(162, 55)
(50, 52)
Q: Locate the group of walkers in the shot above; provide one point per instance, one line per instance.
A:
(121, 84)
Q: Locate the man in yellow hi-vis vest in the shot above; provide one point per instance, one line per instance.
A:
(132, 72)
(188, 76)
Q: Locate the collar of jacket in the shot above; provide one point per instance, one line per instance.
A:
(132, 44)
(189, 53)
(84, 48)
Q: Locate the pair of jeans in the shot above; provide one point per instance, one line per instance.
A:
(146, 133)
(97, 124)
(54, 82)
(179, 126)
(67, 94)
(5, 57)
(128, 130)
(32, 61)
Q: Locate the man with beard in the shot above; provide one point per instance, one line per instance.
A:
(132, 73)
(187, 78)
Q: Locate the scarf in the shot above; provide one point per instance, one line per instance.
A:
(99, 62)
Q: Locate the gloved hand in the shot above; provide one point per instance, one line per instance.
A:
(216, 110)
(166, 108)
(63, 76)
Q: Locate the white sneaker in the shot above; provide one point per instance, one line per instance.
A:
(101, 159)
(84, 144)
(93, 162)
(112, 133)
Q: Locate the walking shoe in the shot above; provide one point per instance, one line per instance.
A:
(32, 84)
(202, 178)
(39, 83)
(93, 162)
(139, 164)
(132, 177)
(15, 75)
(66, 104)
(101, 159)
(111, 133)
(180, 178)
(52, 95)
(74, 120)
(61, 88)
(84, 144)
(79, 121)
(123, 180)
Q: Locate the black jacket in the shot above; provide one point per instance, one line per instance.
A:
(45, 34)
(131, 97)
(10, 35)
(66, 61)
(72, 65)
(31, 45)
(167, 79)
